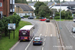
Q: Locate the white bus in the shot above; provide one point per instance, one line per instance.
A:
(26, 33)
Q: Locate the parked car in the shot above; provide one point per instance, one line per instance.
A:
(31, 17)
(21, 16)
(37, 40)
(47, 20)
(73, 20)
(43, 19)
(73, 29)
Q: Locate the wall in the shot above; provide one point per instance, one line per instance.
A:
(6, 7)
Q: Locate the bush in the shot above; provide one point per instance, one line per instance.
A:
(1, 25)
(5, 21)
(69, 17)
(38, 17)
(26, 16)
(14, 13)
(47, 17)
(11, 19)
(15, 19)
(57, 17)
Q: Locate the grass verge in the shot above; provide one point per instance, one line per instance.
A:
(59, 19)
(6, 43)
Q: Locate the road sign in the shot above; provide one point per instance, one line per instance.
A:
(11, 26)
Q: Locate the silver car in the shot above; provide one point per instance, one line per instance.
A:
(37, 40)
(73, 29)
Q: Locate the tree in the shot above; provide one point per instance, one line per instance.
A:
(63, 14)
(44, 11)
(68, 15)
(5, 21)
(21, 1)
(1, 26)
(37, 5)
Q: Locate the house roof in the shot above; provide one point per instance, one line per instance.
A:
(25, 7)
(49, 3)
(71, 3)
(31, 4)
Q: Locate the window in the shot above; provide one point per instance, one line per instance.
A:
(1, 14)
(0, 4)
(11, 6)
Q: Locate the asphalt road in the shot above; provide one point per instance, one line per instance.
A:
(47, 31)
(67, 36)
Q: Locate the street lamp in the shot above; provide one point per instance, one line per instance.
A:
(60, 15)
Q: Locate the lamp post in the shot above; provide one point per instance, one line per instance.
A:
(60, 15)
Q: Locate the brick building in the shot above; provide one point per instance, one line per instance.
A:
(6, 7)
(1, 8)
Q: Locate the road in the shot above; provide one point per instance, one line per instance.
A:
(67, 36)
(47, 31)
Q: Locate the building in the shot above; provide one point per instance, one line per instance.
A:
(32, 5)
(12, 7)
(23, 9)
(6, 7)
(1, 8)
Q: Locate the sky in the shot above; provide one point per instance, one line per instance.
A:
(49, 0)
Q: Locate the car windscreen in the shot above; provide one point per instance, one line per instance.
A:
(73, 29)
(37, 39)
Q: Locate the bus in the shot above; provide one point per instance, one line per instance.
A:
(26, 33)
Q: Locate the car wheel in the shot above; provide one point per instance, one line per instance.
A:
(33, 44)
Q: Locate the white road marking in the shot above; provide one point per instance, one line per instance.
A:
(40, 34)
(45, 38)
(42, 48)
(51, 35)
(70, 32)
(14, 45)
(28, 44)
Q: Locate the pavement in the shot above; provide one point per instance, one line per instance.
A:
(67, 36)
(47, 31)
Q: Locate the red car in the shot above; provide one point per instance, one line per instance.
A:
(43, 19)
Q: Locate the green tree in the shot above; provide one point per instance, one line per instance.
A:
(44, 11)
(1, 26)
(63, 14)
(37, 5)
(21, 1)
(68, 15)
(15, 19)
(5, 21)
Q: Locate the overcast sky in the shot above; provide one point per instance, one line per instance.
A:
(49, 0)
